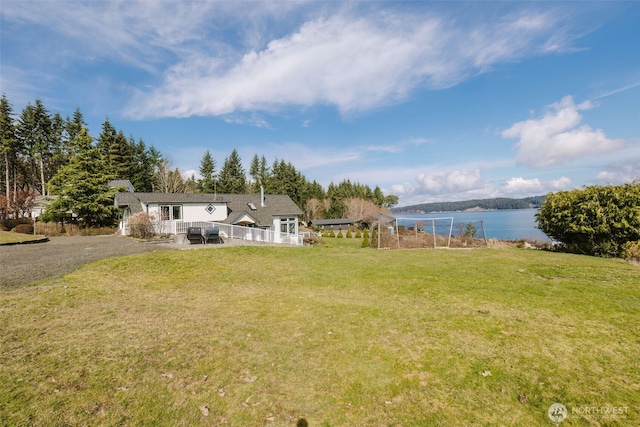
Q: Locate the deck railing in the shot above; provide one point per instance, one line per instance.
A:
(228, 231)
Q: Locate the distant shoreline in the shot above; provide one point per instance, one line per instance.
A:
(476, 209)
(476, 205)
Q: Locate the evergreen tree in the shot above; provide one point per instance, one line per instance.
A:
(378, 196)
(35, 135)
(143, 166)
(260, 173)
(315, 191)
(207, 184)
(8, 143)
(82, 187)
(74, 126)
(59, 147)
(120, 157)
(285, 179)
(232, 178)
(105, 140)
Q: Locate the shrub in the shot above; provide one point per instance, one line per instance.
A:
(3, 228)
(97, 231)
(349, 235)
(593, 221)
(340, 236)
(141, 226)
(332, 234)
(365, 242)
(631, 251)
(24, 228)
(49, 228)
(358, 234)
(10, 224)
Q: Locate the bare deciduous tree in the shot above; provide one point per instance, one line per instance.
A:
(361, 210)
(168, 180)
(314, 209)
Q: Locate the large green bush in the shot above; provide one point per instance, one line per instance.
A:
(597, 220)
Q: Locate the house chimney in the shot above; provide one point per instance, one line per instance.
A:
(262, 196)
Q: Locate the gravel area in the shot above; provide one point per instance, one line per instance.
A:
(24, 264)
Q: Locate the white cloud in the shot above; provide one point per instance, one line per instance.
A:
(557, 137)
(215, 58)
(620, 173)
(562, 183)
(353, 61)
(449, 180)
(520, 186)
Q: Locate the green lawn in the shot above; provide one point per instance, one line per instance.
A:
(9, 237)
(335, 335)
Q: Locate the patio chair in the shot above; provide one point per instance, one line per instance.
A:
(194, 235)
(212, 235)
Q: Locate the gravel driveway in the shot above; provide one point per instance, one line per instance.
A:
(25, 264)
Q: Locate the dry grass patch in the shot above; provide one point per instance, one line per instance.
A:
(335, 335)
(12, 237)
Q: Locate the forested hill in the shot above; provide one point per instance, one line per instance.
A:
(471, 205)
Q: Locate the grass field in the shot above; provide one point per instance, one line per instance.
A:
(331, 336)
(8, 237)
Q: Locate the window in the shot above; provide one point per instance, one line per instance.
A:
(288, 225)
(170, 212)
(176, 212)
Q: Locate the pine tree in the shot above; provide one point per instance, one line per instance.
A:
(8, 143)
(82, 187)
(106, 139)
(260, 173)
(143, 167)
(285, 179)
(232, 178)
(207, 184)
(34, 132)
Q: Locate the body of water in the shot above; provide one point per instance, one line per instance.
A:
(503, 224)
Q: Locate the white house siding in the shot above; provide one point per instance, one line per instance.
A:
(193, 212)
(198, 212)
(279, 236)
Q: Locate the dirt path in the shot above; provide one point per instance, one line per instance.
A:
(25, 264)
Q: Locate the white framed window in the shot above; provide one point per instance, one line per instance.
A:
(171, 212)
(288, 225)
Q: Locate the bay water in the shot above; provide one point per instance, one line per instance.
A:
(514, 224)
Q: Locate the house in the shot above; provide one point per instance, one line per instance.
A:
(334, 224)
(272, 218)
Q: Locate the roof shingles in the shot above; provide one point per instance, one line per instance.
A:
(275, 204)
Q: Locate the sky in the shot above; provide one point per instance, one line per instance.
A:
(430, 101)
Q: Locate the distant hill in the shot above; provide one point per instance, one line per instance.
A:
(500, 203)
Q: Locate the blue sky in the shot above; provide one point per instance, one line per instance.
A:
(431, 101)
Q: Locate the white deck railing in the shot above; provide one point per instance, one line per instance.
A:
(228, 231)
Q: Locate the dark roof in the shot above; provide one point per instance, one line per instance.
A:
(129, 200)
(125, 183)
(333, 221)
(275, 204)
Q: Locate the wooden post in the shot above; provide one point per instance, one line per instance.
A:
(484, 234)
(433, 231)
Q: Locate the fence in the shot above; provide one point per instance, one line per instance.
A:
(228, 231)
